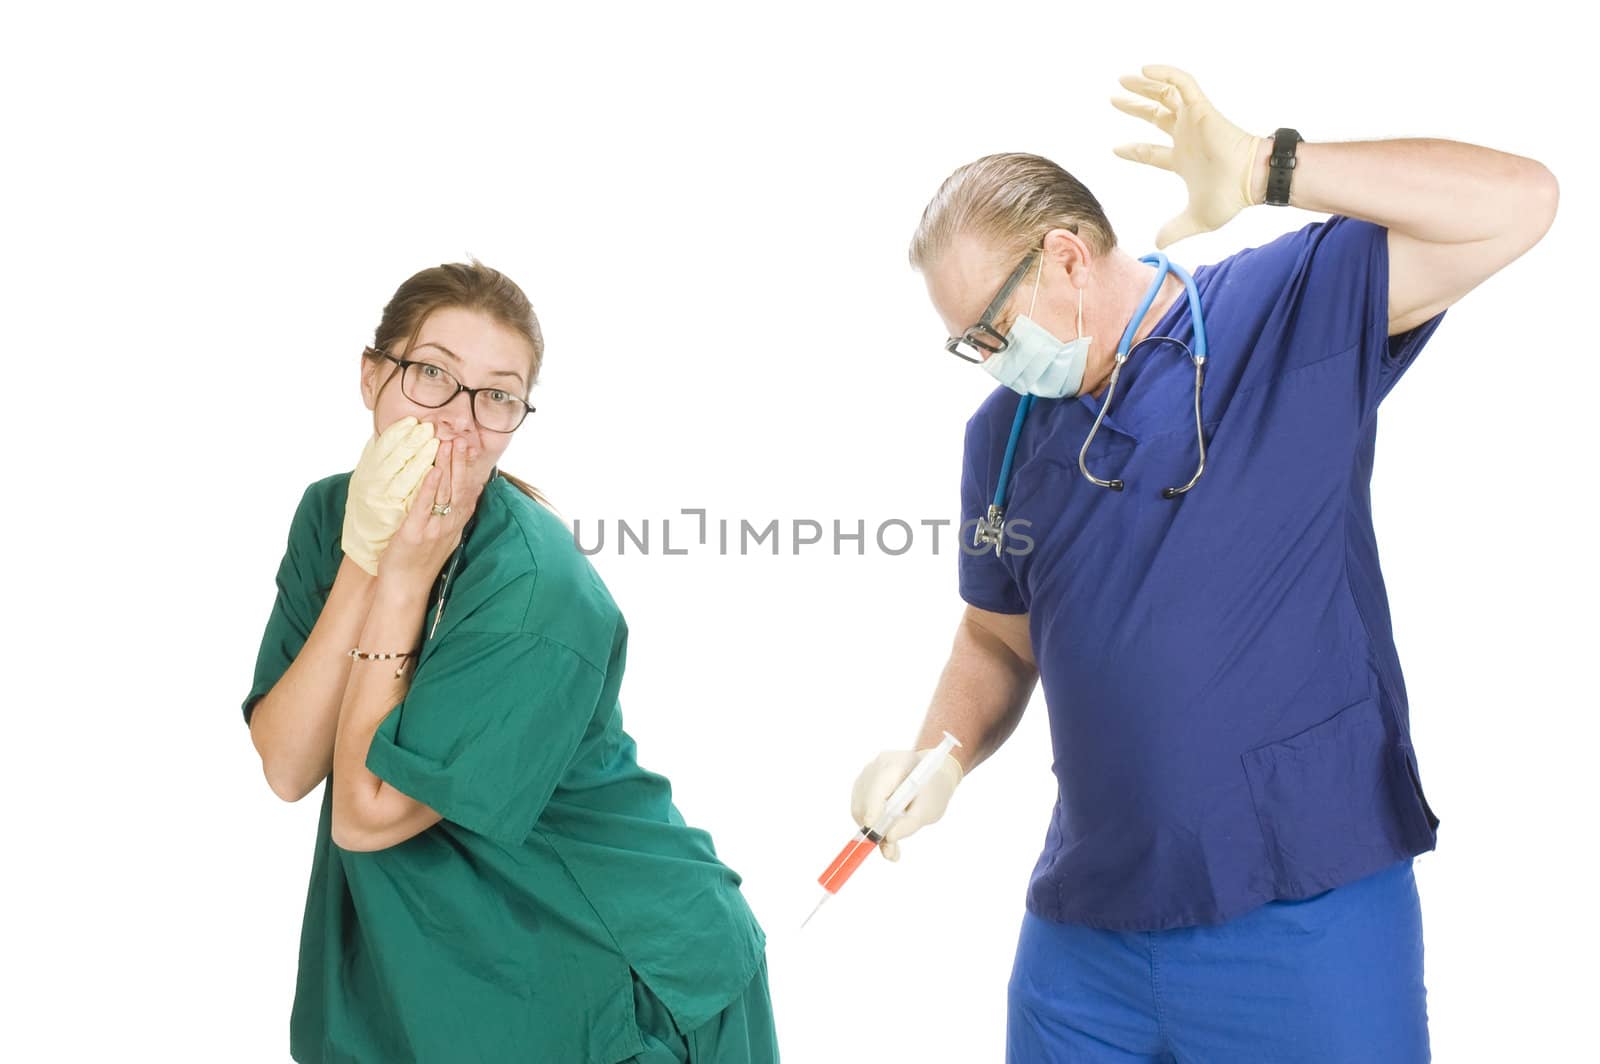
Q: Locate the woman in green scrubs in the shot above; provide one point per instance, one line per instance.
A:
(495, 878)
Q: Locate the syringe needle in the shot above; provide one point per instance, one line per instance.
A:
(807, 920)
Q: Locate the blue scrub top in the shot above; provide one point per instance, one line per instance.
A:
(1227, 714)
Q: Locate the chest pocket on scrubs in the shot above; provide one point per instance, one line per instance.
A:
(1165, 459)
(1070, 534)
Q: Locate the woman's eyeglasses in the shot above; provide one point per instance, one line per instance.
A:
(431, 385)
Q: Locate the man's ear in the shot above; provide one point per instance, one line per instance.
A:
(1067, 250)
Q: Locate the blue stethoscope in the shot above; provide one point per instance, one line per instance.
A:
(991, 528)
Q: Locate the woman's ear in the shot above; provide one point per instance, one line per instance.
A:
(369, 383)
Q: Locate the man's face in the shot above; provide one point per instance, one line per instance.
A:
(478, 352)
(967, 278)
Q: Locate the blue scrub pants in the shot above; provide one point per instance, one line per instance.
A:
(1333, 978)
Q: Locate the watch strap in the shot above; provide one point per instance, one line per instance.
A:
(1281, 165)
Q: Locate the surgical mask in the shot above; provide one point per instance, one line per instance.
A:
(1034, 362)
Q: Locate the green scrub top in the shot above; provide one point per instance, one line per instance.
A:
(506, 931)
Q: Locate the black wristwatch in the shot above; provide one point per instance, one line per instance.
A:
(1281, 165)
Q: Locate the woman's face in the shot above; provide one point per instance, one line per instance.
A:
(478, 352)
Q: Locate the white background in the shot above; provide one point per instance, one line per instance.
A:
(206, 208)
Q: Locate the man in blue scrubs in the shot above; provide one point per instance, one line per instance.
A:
(1227, 874)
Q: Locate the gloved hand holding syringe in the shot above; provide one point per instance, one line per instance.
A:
(932, 778)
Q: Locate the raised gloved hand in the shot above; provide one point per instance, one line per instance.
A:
(1215, 158)
(878, 781)
(392, 465)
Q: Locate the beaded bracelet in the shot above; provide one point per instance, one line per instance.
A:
(361, 655)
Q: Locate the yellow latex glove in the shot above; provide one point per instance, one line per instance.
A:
(886, 772)
(382, 486)
(1215, 158)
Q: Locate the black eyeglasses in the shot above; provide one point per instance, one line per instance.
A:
(431, 385)
(983, 338)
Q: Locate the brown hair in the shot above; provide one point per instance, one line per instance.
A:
(1009, 200)
(469, 286)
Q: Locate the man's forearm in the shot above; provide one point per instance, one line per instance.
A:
(981, 696)
(1441, 191)
(293, 725)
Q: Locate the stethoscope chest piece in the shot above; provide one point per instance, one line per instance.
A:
(991, 529)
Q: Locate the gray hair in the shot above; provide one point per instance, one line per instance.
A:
(1009, 201)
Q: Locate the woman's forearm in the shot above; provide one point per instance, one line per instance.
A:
(361, 803)
(294, 724)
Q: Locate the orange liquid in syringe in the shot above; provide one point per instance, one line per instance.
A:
(849, 859)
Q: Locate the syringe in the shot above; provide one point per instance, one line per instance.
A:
(864, 841)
